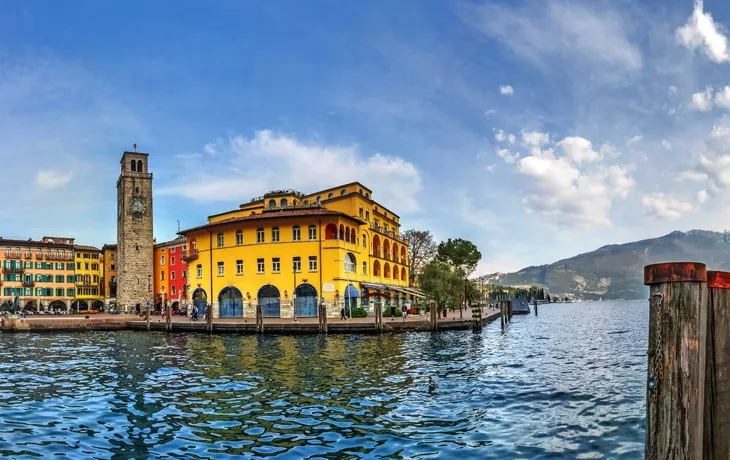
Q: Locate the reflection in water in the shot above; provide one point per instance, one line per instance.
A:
(561, 384)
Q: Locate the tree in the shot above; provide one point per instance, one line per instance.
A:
(422, 249)
(462, 255)
(440, 283)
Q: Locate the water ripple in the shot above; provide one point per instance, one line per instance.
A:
(544, 388)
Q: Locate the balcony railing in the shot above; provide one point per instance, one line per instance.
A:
(28, 255)
(13, 269)
(58, 257)
(190, 255)
(28, 283)
(12, 255)
(389, 233)
(87, 283)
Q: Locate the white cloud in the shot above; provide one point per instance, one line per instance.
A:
(702, 101)
(702, 32)
(270, 160)
(672, 90)
(501, 136)
(489, 113)
(579, 150)
(491, 168)
(210, 149)
(722, 98)
(702, 196)
(635, 139)
(574, 189)
(506, 90)
(666, 144)
(569, 33)
(610, 151)
(49, 180)
(692, 175)
(534, 138)
(507, 156)
(665, 207)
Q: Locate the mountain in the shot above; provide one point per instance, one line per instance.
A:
(617, 271)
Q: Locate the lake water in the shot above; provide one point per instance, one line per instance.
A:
(569, 383)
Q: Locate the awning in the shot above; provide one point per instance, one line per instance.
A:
(351, 291)
(387, 287)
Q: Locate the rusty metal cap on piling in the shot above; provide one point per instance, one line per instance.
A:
(718, 279)
(671, 272)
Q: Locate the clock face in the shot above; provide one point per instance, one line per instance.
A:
(137, 206)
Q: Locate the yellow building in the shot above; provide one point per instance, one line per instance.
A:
(109, 278)
(289, 251)
(89, 271)
(40, 274)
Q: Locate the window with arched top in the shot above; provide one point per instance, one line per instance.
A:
(330, 232)
(403, 274)
(386, 270)
(134, 166)
(367, 215)
(367, 195)
(342, 232)
(361, 212)
(350, 263)
(347, 234)
(284, 203)
(272, 203)
(306, 202)
(360, 191)
(376, 268)
(343, 192)
(376, 246)
(395, 272)
(403, 254)
(330, 196)
(139, 166)
(353, 236)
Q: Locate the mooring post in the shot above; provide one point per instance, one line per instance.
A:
(535, 308)
(324, 318)
(509, 310)
(147, 316)
(677, 353)
(209, 318)
(259, 319)
(501, 313)
(168, 317)
(717, 386)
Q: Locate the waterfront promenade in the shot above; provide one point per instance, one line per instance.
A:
(103, 321)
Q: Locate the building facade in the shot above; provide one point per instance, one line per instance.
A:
(134, 233)
(288, 252)
(109, 277)
(40, 274)
(170, 274)
(88, 273)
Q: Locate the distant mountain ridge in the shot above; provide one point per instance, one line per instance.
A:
(616, 271)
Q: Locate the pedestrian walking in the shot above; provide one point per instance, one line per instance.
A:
(342, 314)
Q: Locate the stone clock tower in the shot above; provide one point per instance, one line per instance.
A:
(135, 250)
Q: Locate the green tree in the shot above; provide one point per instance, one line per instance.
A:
(463, 256)
(439, 282)
(421, 250)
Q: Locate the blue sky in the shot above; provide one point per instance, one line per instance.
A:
(537, 129)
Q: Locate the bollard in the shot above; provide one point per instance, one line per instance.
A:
(168, 318)
(509, 310)
(535, 308)
(259, 319)
(717, 389)
(676, 360)
(209, 318)
(501, 313)
(147, 316)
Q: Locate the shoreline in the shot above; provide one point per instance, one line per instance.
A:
(282, 326)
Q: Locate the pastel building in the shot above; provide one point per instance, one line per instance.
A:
(170, 270)
(289, 251)
(40, 274)
(89, 270)
(109, 276)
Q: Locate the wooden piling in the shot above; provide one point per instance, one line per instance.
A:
(501, 313)
(677, 354)
(168, 318)
(434, 317)
(209, 318)
(147, 316)
(535, 308)
(323, 318)
(717, 373)
(509, 310)
(476, 317)
(259, 319)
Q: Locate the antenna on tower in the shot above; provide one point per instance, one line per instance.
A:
(134, 146)
(178, 226)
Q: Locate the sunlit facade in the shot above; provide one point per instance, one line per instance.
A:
(289, 251)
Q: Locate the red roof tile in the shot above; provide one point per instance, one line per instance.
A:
(271, 215)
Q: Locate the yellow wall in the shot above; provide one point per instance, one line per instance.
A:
(89, 271)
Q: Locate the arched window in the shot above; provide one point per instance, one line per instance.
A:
(353, 236)
(306, 202)
(361, 212)
(403, 274)
(134, 166)
(162, 260)
(139, 166)
(376, 246)
(395, 272)
(343, 192)
(173, 291)
(376, 268)
(386, 249)
(395, 252)
(330, 232)
(294, 203)
(272, 204)
(386, 270)
(360, 191)
(367, 195)
(330, 196)
(350, 263)
(403, 254)
(347, 234)
(367, 215)
(284, 203)
(342, 232)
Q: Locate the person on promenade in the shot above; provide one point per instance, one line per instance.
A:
(342, 314)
